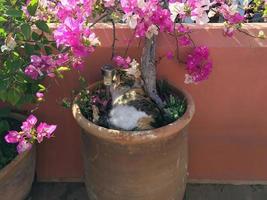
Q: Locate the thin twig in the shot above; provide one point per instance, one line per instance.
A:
(189, 36)
(114, 39)
(129, 43)
(177, 44)
(247, 33)
(99, 19)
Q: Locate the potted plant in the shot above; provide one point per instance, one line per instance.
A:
(134, 137)
(133, 126)
(18, 93)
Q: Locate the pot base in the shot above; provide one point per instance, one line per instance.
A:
(148, 171)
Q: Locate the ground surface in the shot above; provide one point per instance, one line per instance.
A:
(76, 191)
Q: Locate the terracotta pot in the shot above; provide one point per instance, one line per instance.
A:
(17, 177)
(136, 165)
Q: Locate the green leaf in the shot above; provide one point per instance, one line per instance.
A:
(26, 30)
(42, 26)
(4, 112)
(13, 97)
(14, 13)
(42, 88)
(61, 69)
(2, 19)
(2, 32)
(13, 2)
(32, 7)
(4, 126)
(38, 47)
(48, 50)
(29, 49)
(35, 36)
(3, 95)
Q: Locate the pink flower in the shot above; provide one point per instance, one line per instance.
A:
(62, 59)
(30, 133)
(78, 63)
(198, 65)
(45, 130)
(73, 33)
(29, 123)
(109, 3)
(13, 137)
(182, 29)
(23, 146)
(122, 62)
(32, 72)
(45, 65)
(231, 13)
(40, 96)
(229, 31)
(170, 55)
(184, 41)
(36, 60)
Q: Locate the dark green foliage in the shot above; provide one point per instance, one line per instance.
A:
(7, 151)
(84, 102)
(16, 88)
(97, 98)
(175, 104)
(175, 108)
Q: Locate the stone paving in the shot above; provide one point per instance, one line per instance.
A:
(76, 191)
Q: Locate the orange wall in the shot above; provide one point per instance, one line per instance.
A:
(228, 135)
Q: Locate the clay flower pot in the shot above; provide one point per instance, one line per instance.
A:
(140, 165)
(17, 177)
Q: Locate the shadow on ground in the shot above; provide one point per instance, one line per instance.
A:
(76, 191)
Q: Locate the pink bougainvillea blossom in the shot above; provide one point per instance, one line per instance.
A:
(23, 146)
(39, 96)
(13, 137)
(198, 65)
(28, 125)
(45, 65)
(32, 72)
(184, 40)
(169, 55)
(145, 16)
(29, 133)
(44, 130)
(122, 62)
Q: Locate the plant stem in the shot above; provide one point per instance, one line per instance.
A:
(148, 70)
(114, 39)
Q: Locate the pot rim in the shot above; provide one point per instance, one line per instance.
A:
(9, 168)
(122, 136)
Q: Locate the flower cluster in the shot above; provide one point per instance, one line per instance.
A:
(147, 17)
(44, 65)
(198, 65)
(232, 17)
(29, 134)
(122, 62)
(73, 31)
(200, 11)
(194, 9)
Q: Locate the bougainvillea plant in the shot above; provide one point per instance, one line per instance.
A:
(30, 30)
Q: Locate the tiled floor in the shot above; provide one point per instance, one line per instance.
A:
(76, 191)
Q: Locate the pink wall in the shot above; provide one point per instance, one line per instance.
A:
(228, 135)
